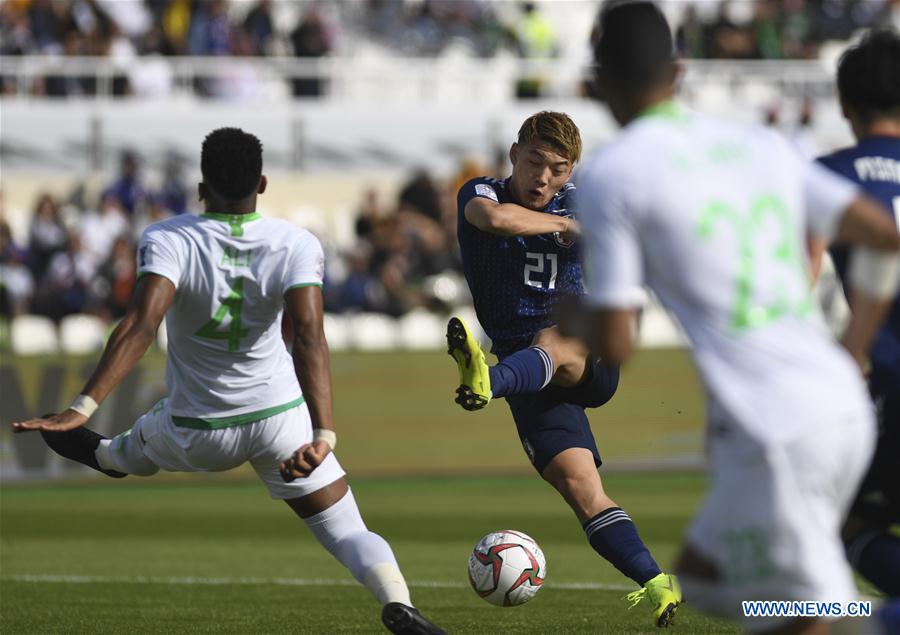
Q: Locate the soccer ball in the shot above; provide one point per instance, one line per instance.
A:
(507, 568)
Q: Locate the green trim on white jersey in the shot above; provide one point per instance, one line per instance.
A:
(214, 423)
(669, 109)
(235, 221)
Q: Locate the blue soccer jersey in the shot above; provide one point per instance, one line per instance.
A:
(516, 281)
(874, 163)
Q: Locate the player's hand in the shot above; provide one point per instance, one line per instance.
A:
(573, 231)
(65, 420)
(304, 460)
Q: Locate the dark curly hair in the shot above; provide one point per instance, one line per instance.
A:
(868, 76)
(231, 163)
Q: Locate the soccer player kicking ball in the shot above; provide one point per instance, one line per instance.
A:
(868, 82)
(713, 216)
(518, 240)
(222, 281)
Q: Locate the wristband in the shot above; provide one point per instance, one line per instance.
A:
(84, 405)
(328, 436)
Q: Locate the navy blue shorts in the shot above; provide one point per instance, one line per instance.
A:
(548, 424)
(878, 500)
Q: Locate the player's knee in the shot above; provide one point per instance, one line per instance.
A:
(117, 454)
(581, 491)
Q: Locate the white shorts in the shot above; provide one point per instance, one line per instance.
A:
(156, 443)
(772, 519)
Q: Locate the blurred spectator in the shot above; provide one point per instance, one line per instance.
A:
(175, 22)
(536, 40)
(209, 35)
(726, 39)
(260, 27)
(797, 30)
(239, 80)
(174, 191)
(114, 281)
(101, 229)
(46, 236)
(63, 290)
(766, 31)
(210, 28)
(16, 281)
(312, 38)
(369, 214)
(421, 195)
(128, 188)
(689, 38)
(424, 34)
(155, 211)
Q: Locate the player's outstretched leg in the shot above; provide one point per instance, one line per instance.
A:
(611, 532)
(78, 445)
(474, 391)
(339, 527)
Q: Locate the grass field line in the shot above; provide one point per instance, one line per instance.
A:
(315, 582)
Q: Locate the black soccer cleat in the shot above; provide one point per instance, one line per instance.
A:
(401, 619)
(78, 445)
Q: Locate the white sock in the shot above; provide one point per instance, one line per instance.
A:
(123, 454)
(102, 455)
(386, 583)
(341, 530)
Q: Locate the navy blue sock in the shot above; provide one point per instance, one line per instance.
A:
(528, 370)
(613, 535)
(876, 555)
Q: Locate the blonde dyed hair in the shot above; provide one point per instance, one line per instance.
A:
(553, 129)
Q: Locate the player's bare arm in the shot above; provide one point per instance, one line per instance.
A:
(510, 219)
(873, 272)
(309, 349)
(128, 343)
(864, 224)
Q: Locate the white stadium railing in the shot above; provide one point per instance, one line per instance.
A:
(379, 78)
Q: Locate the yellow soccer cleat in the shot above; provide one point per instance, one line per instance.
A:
(665, 594)
(474, 391)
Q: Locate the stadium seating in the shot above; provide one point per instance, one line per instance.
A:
(337, 332)
(373, 332)
(33, 335)
(422, 330)
(82, 334)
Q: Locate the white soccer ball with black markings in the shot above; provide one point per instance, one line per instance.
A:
(507, 568)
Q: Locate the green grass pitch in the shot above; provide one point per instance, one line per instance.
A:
(212, 553)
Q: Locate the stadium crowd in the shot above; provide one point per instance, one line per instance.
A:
(155, 29)
(80, 252)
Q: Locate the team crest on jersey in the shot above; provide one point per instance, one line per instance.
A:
(558, 237)
(483, 189)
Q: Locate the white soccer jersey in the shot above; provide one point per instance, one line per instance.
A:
(713, 217)
(227, 363)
